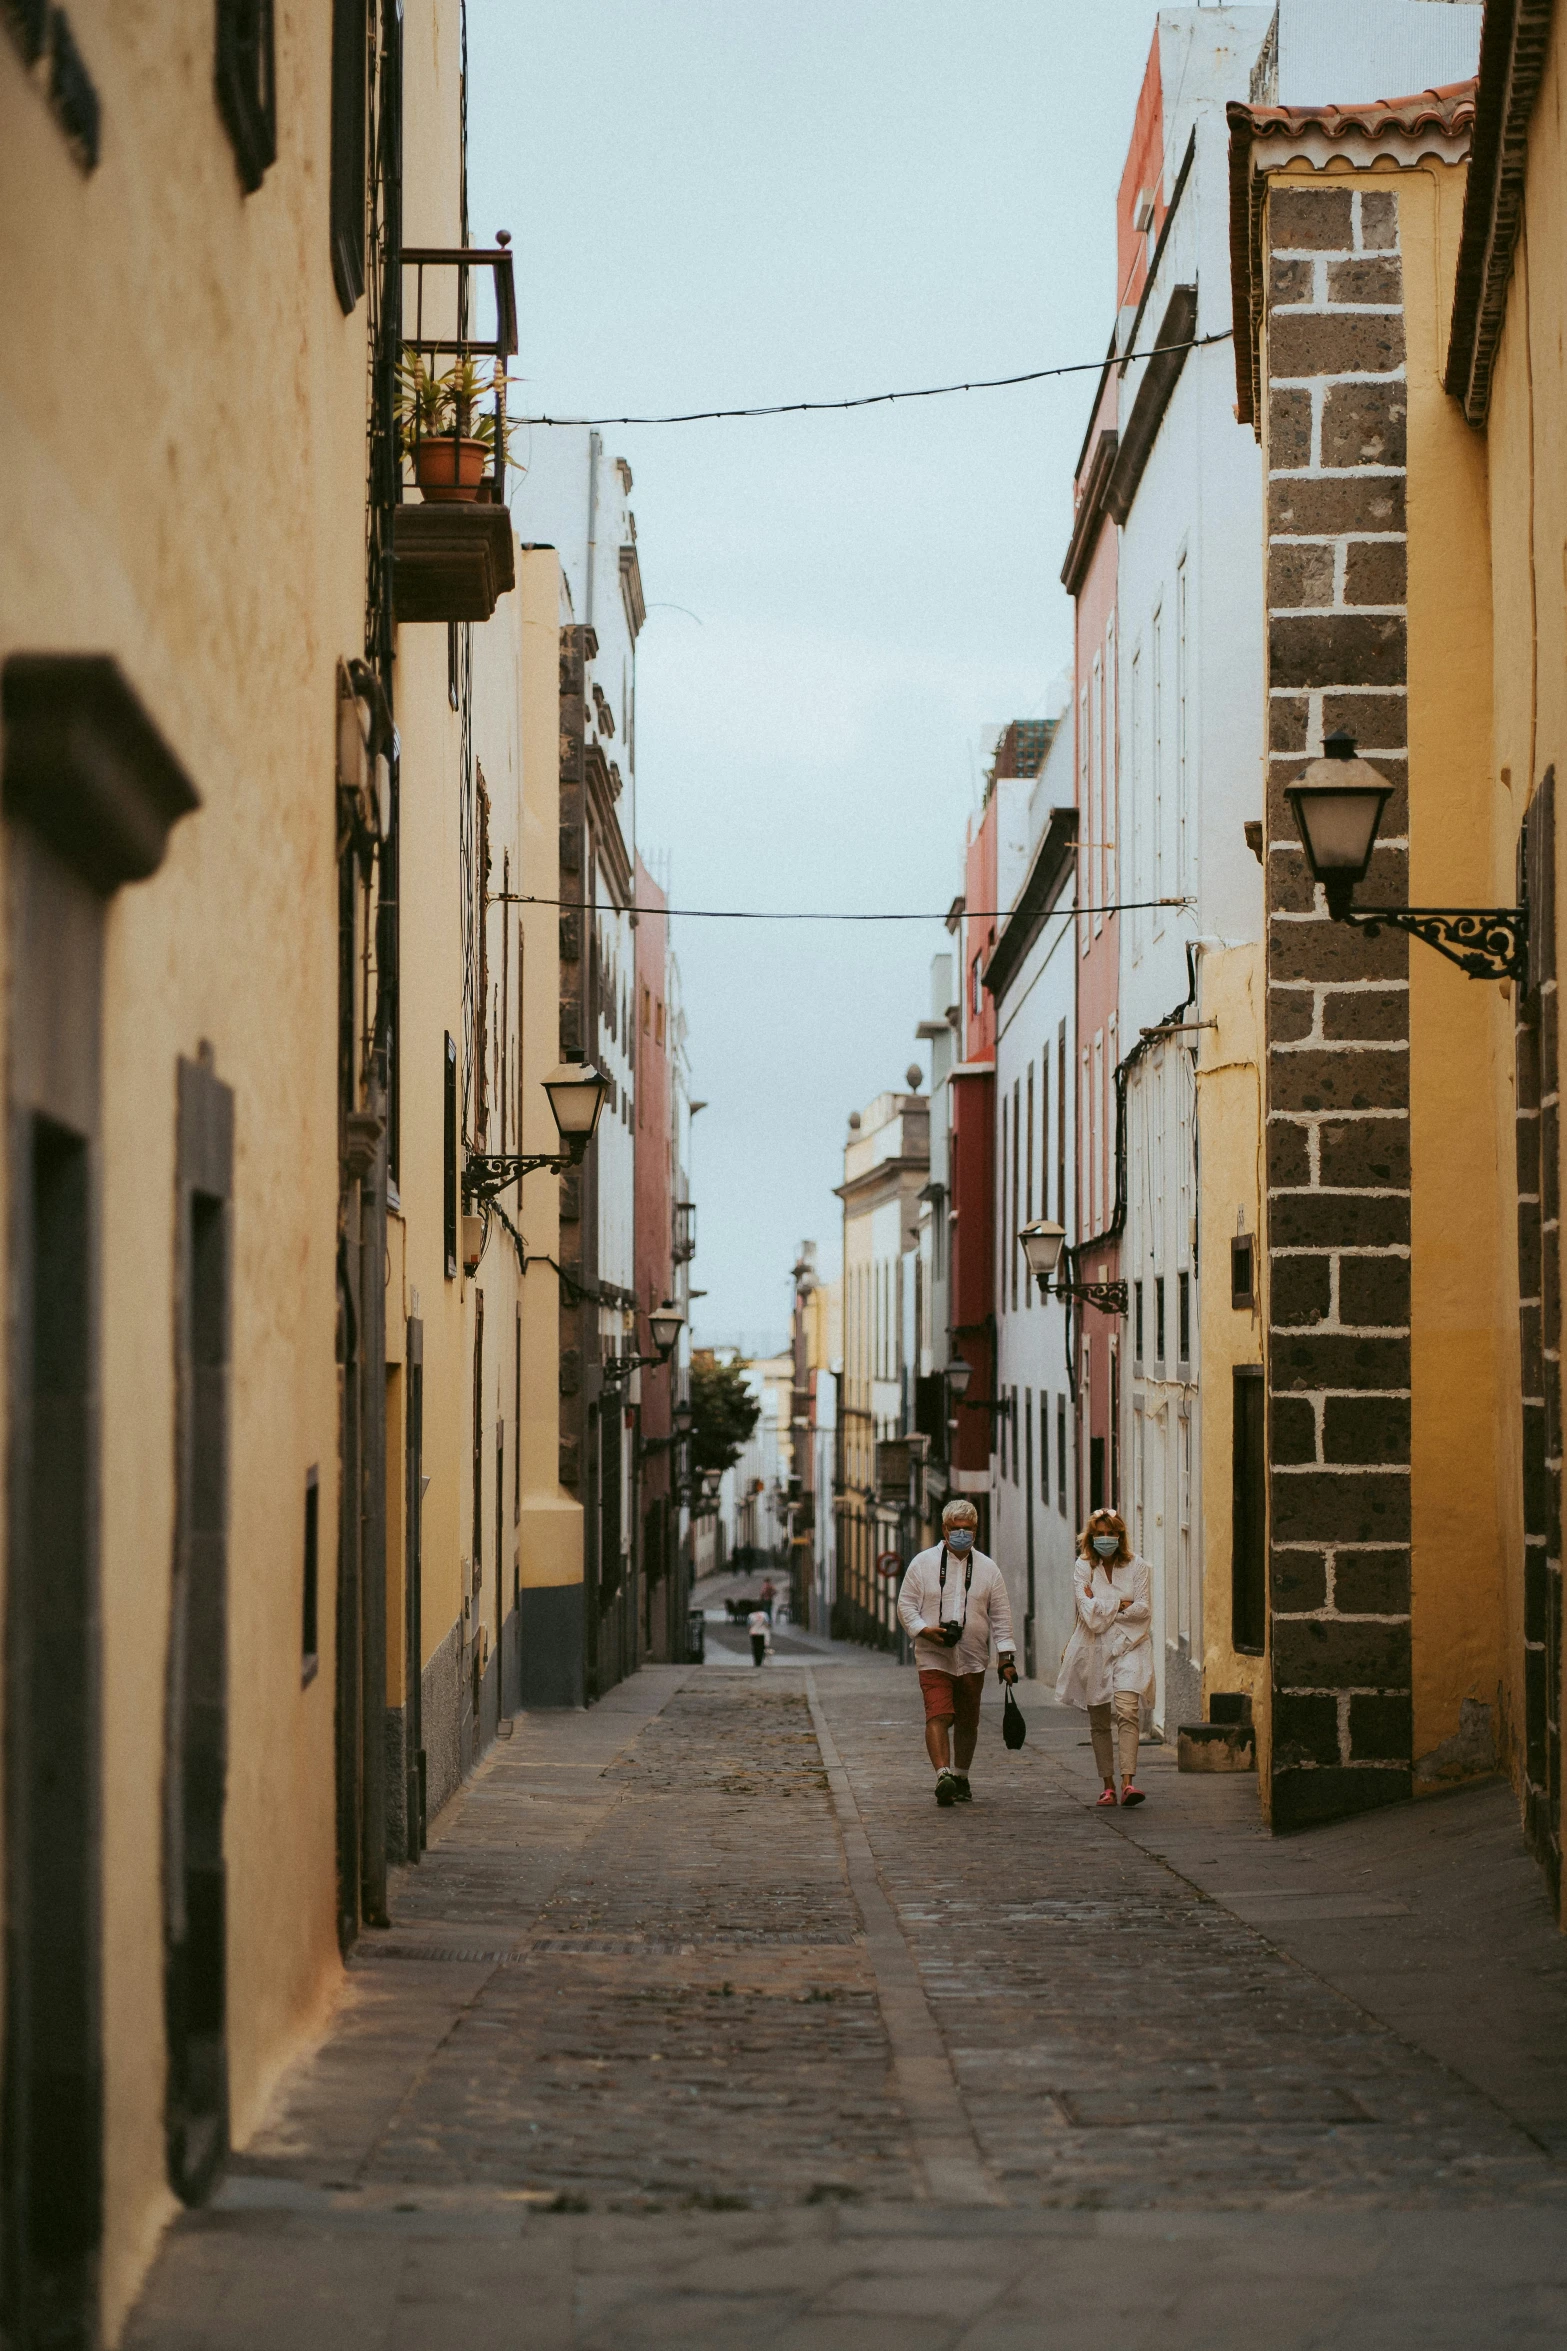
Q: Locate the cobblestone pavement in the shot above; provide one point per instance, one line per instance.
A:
(701, 2025)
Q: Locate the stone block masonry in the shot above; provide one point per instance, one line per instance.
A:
(1338, 1016)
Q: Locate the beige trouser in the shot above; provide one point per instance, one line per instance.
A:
(1127, 1708)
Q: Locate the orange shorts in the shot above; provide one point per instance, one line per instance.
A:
(952, 1697)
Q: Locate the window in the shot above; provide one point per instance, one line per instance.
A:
(1248, 1559)
(1158, 764)
(1183, 782)
(1001, 1224)
(310, 1644)
(1096, 819)
(1110, 793)
(1139, 813)
(1096, 1131)
(347, 200)
(1137, 1322)
(1044, 1446)
(1061, 1125)
(1243, 1276)
(1009, 1240)
(976, 990)
(1115, 1426)
(1028, 1177)
(1014, 1438)
(247, 88)
(1183, 1317)
(1044, 1130)
(516, 1464)
(1061, 1455)
(1000, 1443)
(1158, 1318)
(195, 1946)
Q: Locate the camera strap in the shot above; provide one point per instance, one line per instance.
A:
(968, 1578)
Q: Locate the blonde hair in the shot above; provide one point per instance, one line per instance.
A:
(959, 1513)
(1104, 1522)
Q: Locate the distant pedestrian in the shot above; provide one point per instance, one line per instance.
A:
(1107, 1665)
(953, 1605)
(761, 1638)
(769, 1595)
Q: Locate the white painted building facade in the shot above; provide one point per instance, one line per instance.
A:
(1032, 978)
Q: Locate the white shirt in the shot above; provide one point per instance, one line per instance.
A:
(986, 1617)
(1111, 1647)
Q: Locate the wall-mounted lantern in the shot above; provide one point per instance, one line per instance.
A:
(1337, 806)
(577, 1094)
(1042, 1243)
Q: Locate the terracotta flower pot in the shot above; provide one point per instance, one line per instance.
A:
(449, 472)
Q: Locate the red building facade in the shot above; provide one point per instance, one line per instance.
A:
(663, 1602)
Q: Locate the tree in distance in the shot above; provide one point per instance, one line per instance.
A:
(724, 1414)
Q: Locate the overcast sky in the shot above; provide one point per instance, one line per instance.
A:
(725, 202)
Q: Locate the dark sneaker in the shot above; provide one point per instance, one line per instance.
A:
(965, 1792)
(947, 1788)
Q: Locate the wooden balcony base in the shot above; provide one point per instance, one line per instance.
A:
(450, 562)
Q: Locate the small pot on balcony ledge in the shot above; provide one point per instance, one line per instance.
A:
(450, 471)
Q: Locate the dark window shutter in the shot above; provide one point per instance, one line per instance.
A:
(349, 39)
(247, 86)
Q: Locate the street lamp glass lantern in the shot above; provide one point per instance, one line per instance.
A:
(666, 1322)
(1337, 806)
(1042, 1243)
(712, 1479)
(959, 1372)
(684, 1417)
(577, 1095)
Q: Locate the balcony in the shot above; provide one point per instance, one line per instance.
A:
(452, 556)
(685, 1231)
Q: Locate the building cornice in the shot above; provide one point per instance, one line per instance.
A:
(1514, 39)
(1053, 865)
(1393, 132)
(1090, 510)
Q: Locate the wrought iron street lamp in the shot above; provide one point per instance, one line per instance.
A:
(1337, 806)
(577, 1093)
(1042, 1243)
(959, 1372)
(684, 1417)
(666, 1322)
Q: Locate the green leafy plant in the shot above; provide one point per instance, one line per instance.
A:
(724, 1412)
(433, 406)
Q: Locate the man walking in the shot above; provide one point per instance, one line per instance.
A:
(953, 1604)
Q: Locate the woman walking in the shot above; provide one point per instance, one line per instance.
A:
(1107, 1665)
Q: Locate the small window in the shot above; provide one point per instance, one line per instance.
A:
(311, 1641)
(1183, 1316)
(647, 1011)
(1137, 1321)
(1044, 1447)
(658, 1022)
(1243, 1272)
(1158, 1319)
(976, 991)
(1061, 1455)
(1014, 1438)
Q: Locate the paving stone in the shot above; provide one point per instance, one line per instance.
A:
(661, 2098)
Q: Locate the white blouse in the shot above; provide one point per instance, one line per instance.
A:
(1111, 1647)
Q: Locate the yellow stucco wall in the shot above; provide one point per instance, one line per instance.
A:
(1230, 1180)
(1464, 1451)
(549, 1534)
(185, 489)
(1523, 450)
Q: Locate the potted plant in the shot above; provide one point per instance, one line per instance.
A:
(448, 438)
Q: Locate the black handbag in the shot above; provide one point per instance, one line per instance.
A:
(1014, 1730)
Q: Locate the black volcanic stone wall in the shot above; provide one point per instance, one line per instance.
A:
(1337, 1024)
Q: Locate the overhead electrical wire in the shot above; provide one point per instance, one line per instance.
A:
(763, 914)
(1035, 375)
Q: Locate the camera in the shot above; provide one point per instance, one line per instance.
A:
(952, 1632)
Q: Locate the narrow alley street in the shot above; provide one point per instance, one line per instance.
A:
(699, 2024)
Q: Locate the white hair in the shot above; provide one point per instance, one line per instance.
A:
(957, 1509)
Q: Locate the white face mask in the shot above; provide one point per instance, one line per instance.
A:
(1107, 1545)
(960, 1539)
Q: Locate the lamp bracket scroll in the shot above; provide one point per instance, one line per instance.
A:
(1487, 942)
(1109, 1297)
